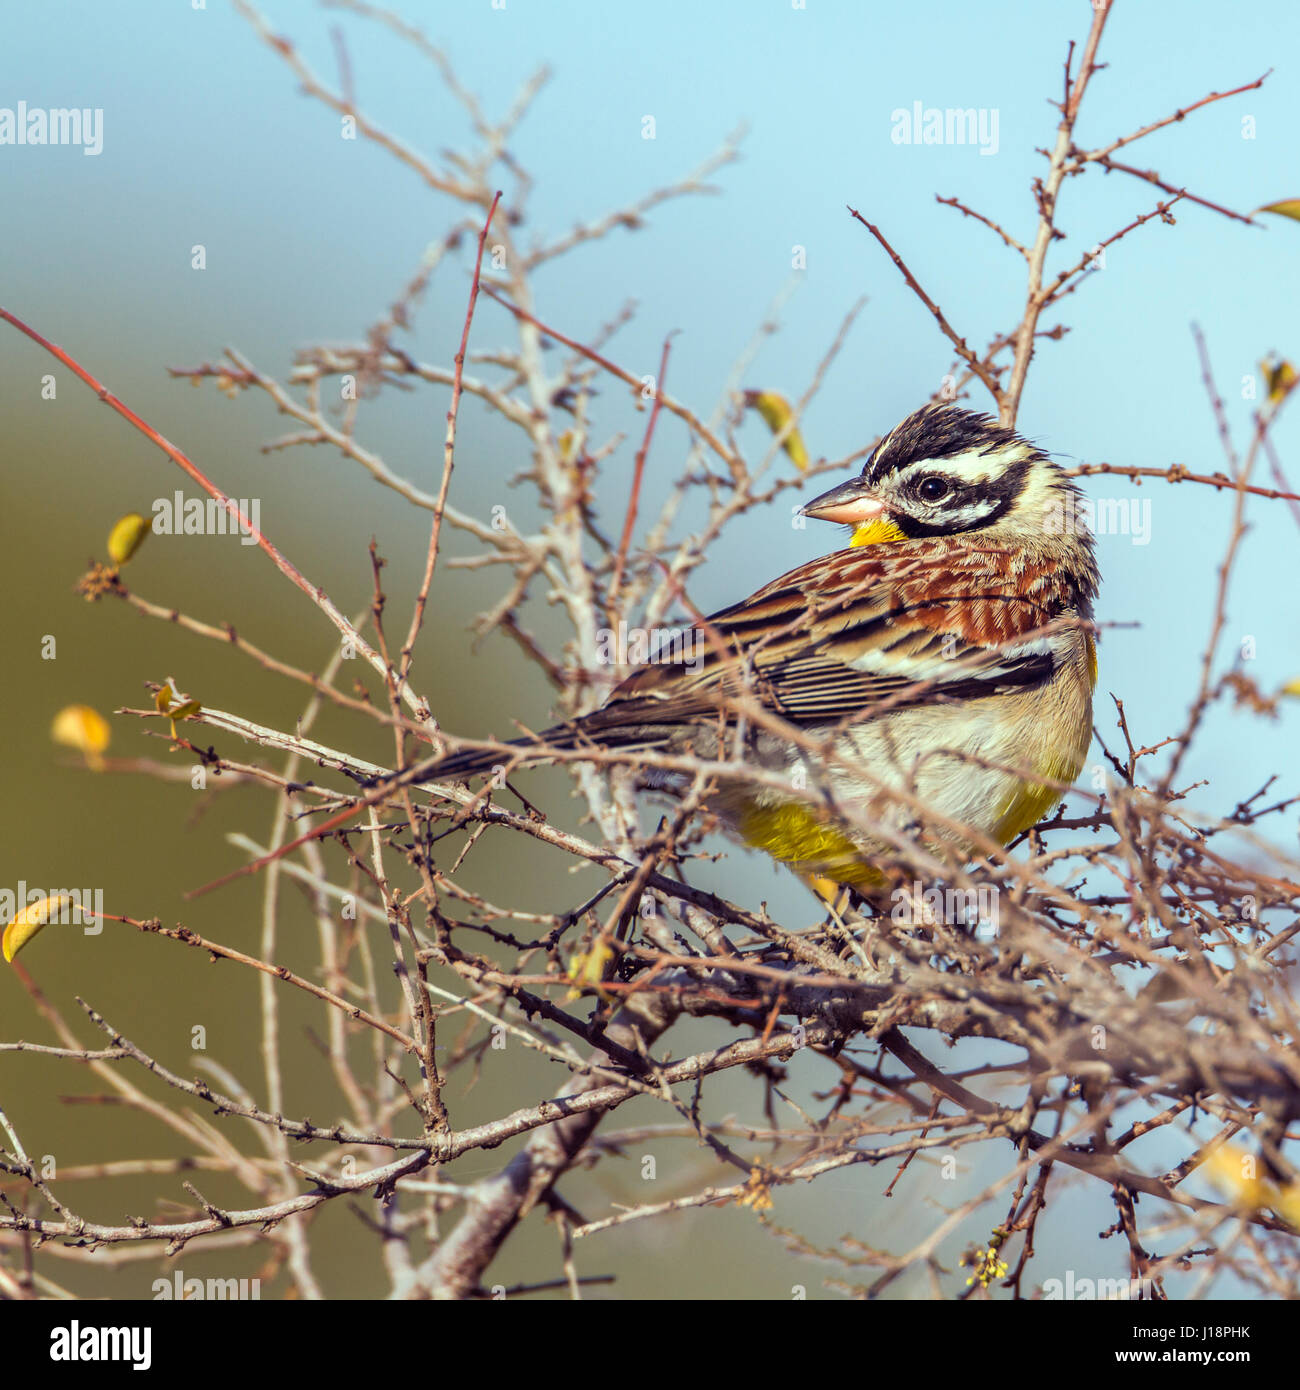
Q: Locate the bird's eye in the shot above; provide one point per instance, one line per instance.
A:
(933, 488)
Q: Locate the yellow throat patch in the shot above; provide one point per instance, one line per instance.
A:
(876, 532)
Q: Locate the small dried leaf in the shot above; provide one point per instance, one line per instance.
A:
(1279, 377)
(82, 728)
(587, 968)
(777, 413)
(126, 537)
(30, 920)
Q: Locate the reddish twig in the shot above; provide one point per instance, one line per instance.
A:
(449, 447)
(1009, 400)
(1150, 176)
(1054, 291)
(346, 89)
(1091, 156)
(692, 421)
(1177, 473)
(638, 471)
(987, 221)
(182, 461)
(964, 351)
(1242, 472)
(1275, 467)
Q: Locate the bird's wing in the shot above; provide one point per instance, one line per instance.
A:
(836, 636)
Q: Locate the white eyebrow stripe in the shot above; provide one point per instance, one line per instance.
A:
(970, 467)
(973, 465)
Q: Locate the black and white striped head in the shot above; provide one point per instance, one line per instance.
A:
(943, 471)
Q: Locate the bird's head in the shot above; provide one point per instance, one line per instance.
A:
(945, 472)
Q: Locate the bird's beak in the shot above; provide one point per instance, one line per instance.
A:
(850, 503)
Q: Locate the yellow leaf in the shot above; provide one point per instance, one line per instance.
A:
(1287, 207)
(169, 701)
(126, 537)
(777, 414)
(570, 443)
(587, 968)
(30, 920)
(757, 1193)
(1292, 687)
(82, 728)
(1279, 376)
(190, 707)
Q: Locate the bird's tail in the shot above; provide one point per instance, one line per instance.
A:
(470, 762)
(609, 727)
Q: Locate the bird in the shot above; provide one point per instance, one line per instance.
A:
(932, 678)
